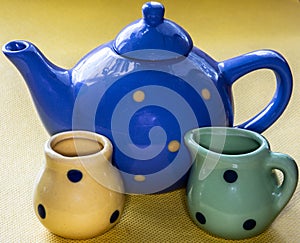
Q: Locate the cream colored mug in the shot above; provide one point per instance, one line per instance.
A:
(78, 193)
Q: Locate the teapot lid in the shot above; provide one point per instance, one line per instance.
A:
(153, 37)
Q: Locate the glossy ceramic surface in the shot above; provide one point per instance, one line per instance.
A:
(68, 199)
(232, 190)
(144, 91)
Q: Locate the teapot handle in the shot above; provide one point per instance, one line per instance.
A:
(233, 69)
(288, 167)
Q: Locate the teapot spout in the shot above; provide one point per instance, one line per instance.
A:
(49, 85)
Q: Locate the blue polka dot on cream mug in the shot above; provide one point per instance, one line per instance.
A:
(233, 191)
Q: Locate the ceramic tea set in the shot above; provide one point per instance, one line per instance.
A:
(135, 114)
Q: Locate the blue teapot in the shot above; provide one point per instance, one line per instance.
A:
(144, 90)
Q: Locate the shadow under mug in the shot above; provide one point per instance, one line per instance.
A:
(233, 191)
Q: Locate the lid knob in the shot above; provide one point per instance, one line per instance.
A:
(153, 13)
(153, 37)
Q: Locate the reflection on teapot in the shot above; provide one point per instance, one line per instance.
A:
(144, 90)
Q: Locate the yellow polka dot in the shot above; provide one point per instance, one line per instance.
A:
(139, 178)
(205, 94)
(174, 146)
(138, 96)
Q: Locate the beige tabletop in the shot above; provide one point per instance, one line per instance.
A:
(66, 30)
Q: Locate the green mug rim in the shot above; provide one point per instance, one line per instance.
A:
(228, 132)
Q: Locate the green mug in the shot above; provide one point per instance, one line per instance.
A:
(233, 191)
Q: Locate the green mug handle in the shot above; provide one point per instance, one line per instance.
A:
(288, 167)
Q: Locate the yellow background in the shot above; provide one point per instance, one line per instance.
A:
(66, 30)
